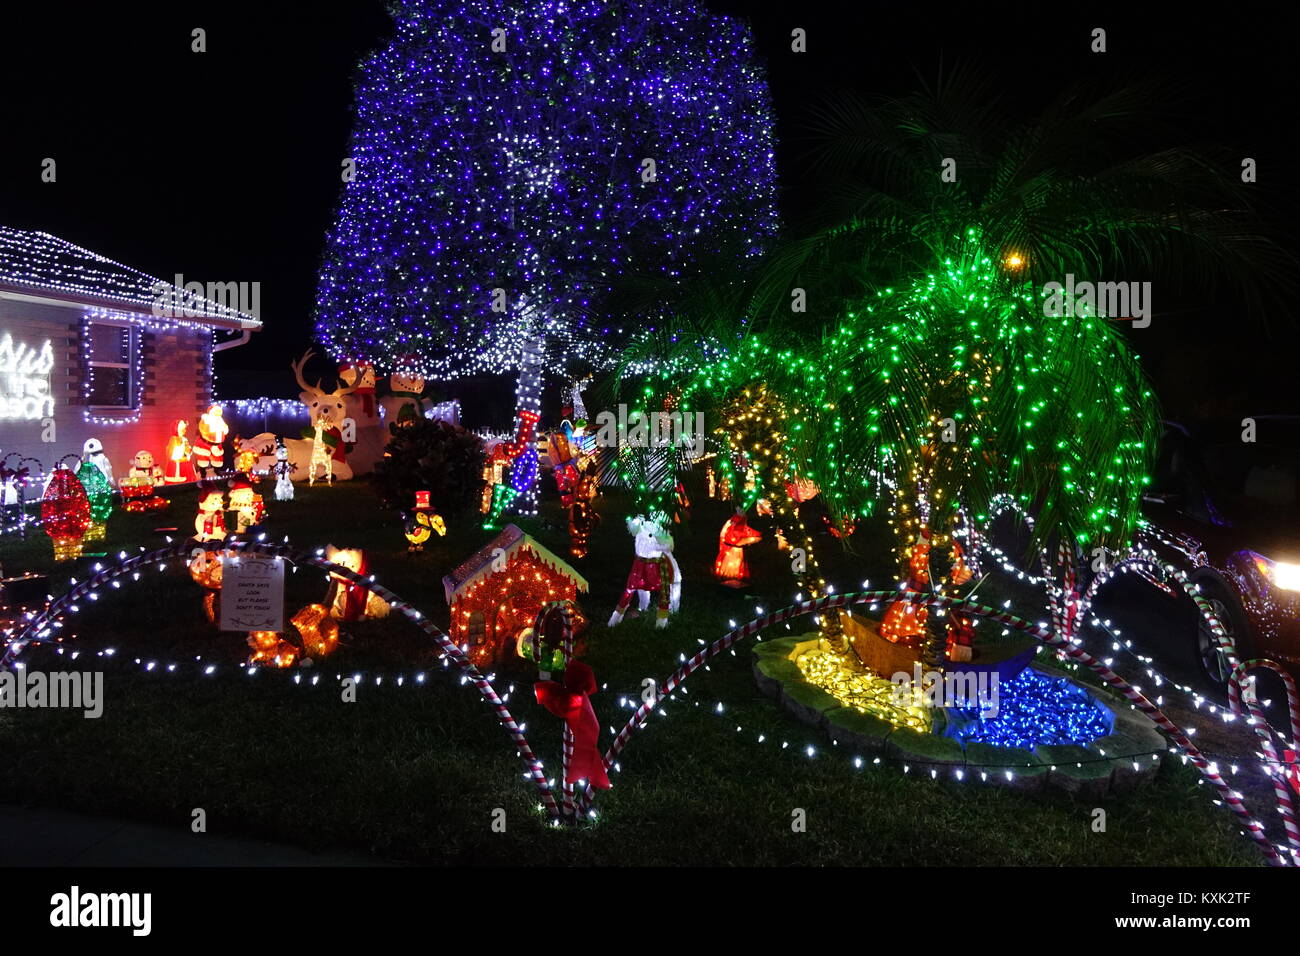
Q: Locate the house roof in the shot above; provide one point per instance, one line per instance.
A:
(510, 540)
(45, 266)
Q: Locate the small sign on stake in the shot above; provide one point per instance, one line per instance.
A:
(252, 593)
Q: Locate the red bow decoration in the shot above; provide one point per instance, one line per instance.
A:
(571, 701)
(1292, 771)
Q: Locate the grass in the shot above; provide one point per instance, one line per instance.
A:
(415, 772)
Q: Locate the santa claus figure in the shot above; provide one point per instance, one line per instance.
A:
(210, 446)
(180, 467)
(731, 568)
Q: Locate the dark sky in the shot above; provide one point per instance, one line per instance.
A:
(225, 165)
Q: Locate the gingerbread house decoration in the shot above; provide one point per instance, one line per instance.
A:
(496, 593)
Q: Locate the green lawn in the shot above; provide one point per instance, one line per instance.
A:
(414, 772)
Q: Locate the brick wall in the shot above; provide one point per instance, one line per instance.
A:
(176, 385)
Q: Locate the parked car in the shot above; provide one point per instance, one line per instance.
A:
(1225, 508)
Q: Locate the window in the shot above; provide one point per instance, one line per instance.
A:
(110, 351)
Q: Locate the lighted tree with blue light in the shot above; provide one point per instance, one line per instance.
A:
(514, 160)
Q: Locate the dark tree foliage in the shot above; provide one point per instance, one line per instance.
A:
(426, 455)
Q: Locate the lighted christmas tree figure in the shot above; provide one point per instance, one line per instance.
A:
(513, 159)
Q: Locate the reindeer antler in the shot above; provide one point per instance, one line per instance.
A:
(297, 373)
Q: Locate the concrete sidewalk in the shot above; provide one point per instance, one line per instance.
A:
(36, 836)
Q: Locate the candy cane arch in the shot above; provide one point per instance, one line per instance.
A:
(1230, 798)
(1265, 732)
(40, 627)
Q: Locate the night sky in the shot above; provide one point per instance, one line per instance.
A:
(225, 165)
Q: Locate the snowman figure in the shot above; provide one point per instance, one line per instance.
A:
(282, 469)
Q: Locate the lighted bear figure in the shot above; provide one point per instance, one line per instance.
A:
(139, 484)
(249, 508)
(348, 601)
(653, 569)
(210, 524)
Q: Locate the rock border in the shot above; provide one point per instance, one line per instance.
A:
(1103, 767)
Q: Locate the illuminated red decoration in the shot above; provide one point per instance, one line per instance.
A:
(138, 485)
(730, 567)
(904, 623)
(571, 701)
(496, 593)
(210, 523)
(346, 600)
(65, 513)
(210, 445)
(180, 468)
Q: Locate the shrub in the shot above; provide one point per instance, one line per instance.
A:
(426, 455)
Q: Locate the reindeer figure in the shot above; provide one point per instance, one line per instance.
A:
(329, 411)
(322, 456)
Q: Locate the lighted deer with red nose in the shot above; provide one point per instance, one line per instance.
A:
(334, 417)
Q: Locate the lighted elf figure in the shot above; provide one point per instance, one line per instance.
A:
(730, 567)
(210, 523)
(565, 465)
(210, 446)
(180, 468)
(100, 495)
(249, 508)
(282, 470)
(421, 523)
(138, 485)
(92, 450)
(246, 459)
(360, 376)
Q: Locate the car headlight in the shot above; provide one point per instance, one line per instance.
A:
(1283, 575)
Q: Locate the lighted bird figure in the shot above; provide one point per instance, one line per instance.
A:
(736, 535)
(92, 450)
(421, 523)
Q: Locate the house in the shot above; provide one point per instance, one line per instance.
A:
(90, 348)
(496, 593)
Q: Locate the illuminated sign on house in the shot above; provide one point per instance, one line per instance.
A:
(25, 380)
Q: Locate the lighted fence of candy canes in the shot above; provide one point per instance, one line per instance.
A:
(43, 625)
(1281, 766)
(1231, 799)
